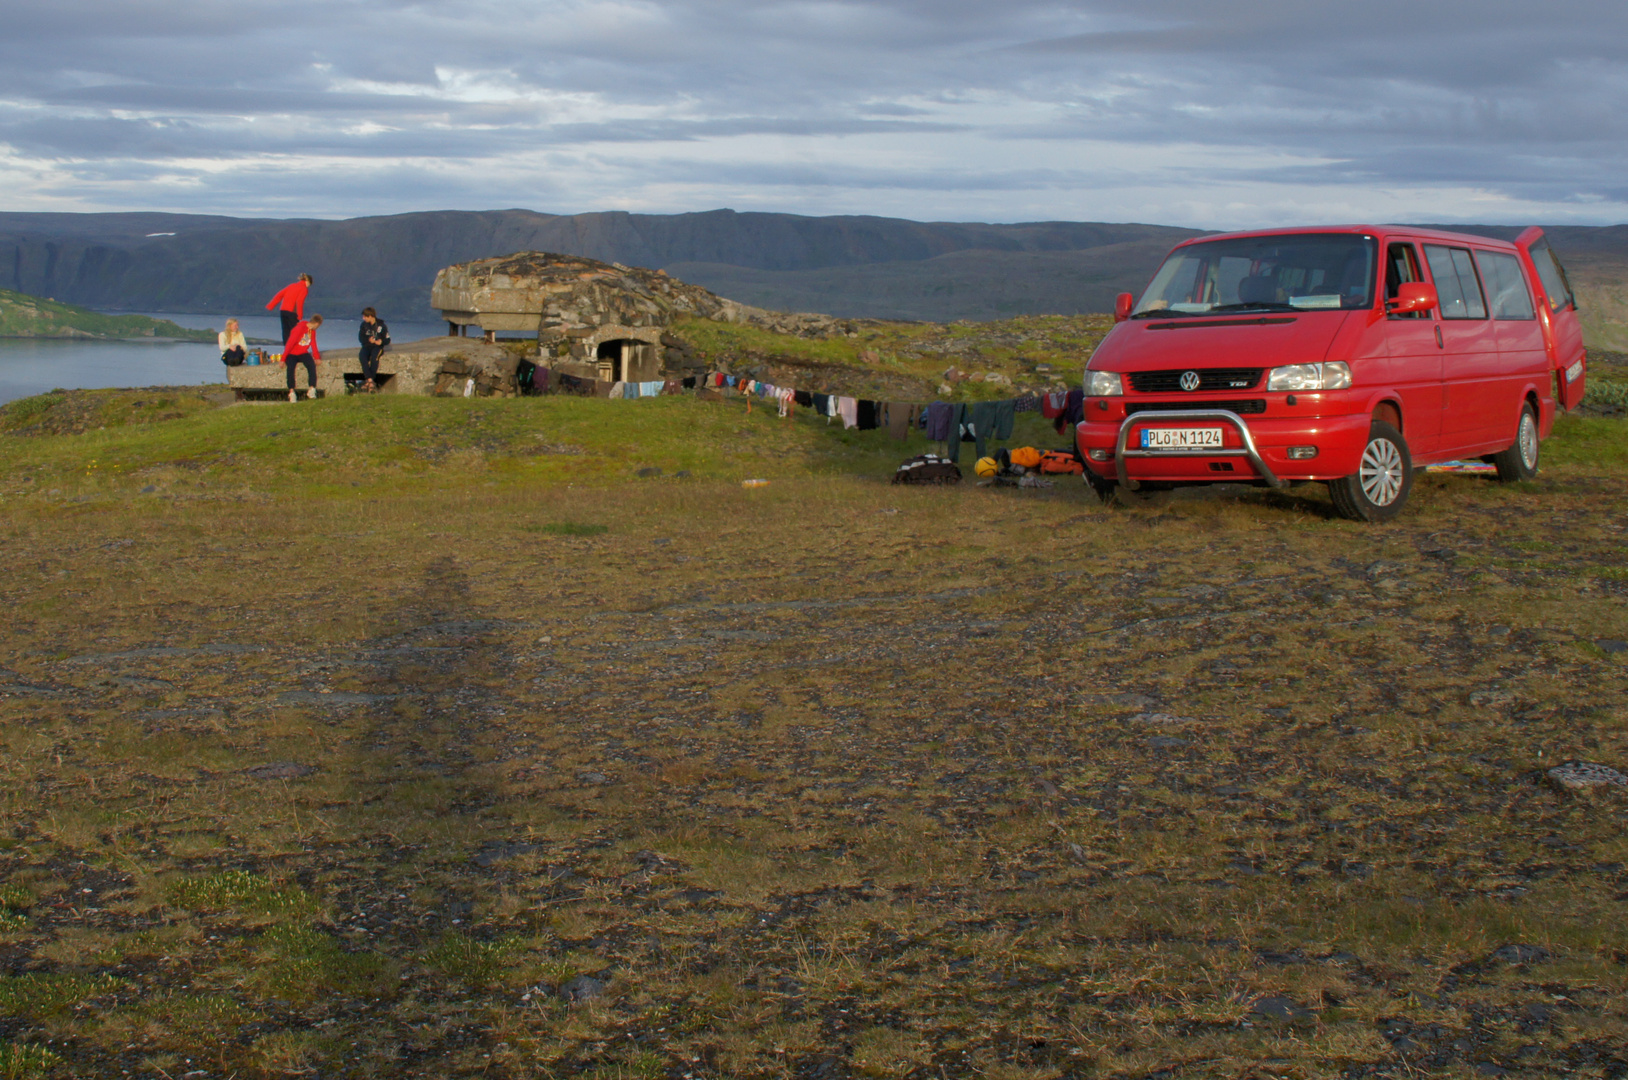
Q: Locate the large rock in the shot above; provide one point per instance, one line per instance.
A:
(595, 319)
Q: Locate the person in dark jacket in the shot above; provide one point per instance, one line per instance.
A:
(290, 304)
(373, 336)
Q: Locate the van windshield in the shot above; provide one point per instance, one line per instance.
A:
(1303, 272)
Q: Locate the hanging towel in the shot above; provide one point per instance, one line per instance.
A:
(939, 415)
(1052, 405)
(651, 388)
(865, 416)
(804, 398)
(848, 409)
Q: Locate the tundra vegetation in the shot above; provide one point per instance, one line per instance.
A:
(24, 316)
(414, 737)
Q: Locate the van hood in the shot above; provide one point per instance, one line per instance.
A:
(1203, 342)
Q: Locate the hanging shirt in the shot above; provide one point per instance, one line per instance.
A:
(848, 409)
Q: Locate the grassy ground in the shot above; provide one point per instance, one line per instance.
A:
(886, 359)
(411, 737)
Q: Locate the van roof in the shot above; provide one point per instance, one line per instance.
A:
(1416, 232)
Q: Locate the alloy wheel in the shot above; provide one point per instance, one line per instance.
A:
(1381, 472)
(1529, 441)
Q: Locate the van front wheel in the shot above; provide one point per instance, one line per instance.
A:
(1520, 461)
(1380, 486)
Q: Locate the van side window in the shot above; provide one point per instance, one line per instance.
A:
(1401, 267)
(1457, 287)
(1505, 285)
(1553, 275)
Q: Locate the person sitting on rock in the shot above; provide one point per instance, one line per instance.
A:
(233, 348)
(302, 349)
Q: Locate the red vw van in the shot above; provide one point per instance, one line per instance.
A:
(1346, 355)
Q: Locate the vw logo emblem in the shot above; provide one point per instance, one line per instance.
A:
(1189, 380)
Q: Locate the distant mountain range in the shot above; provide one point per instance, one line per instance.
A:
(849, 266)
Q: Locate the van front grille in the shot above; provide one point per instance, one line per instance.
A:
(1242, 408)
(1167, 382)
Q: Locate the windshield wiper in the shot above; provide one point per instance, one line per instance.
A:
(1166, 313)
(1258, 305)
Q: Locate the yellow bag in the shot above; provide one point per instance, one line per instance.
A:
(1027, 456)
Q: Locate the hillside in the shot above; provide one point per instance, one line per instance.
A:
(176, 262)
(23, 316)
(851, 266)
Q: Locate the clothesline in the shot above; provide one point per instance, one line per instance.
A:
(949, 423)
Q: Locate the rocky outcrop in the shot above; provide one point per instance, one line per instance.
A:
(599, 320)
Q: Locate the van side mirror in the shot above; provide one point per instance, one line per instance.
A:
(1122, 306)
(1412, 296)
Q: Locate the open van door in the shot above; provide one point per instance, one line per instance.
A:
(1557, 313)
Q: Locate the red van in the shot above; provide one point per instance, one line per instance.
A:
(1346, 355)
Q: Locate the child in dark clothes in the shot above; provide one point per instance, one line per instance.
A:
(373, 336)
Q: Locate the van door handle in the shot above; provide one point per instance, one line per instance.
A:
(1439, 345)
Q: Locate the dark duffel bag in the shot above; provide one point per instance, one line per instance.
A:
(928, 469)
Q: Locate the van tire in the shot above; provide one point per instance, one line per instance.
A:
(1520, 461)
(1101, 487)
(1379, 488)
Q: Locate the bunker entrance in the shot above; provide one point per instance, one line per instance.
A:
(627, 360)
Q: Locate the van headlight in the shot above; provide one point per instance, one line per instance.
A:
(1334, 375)
(1103, 384)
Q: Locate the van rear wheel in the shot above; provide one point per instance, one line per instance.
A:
(1520, 461)
(1380, 486)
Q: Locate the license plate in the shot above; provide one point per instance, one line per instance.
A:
(1180, 438)
(1575, 370)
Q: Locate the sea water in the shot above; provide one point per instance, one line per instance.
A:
(31, 366)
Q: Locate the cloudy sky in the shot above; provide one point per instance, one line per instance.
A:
(1207, 114)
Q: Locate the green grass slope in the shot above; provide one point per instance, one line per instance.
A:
(24, 316)
(421, 737)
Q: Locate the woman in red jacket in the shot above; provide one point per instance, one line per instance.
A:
(302, 349)
(290, 304)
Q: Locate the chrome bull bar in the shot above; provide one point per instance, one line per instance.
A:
(1247, 451)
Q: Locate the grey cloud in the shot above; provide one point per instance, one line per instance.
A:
(1491, 94)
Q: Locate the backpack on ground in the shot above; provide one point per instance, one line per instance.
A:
(1061, 461)
(928, 469)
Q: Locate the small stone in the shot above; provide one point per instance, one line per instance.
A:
(593, 778)
(582, 988)
(1162, 719)
(1522, 954)
(149, 489)
(1585, 776)
(650, 471)
(280, 770)
(1281, 1008)
(1166, 742)
(1612, 645)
